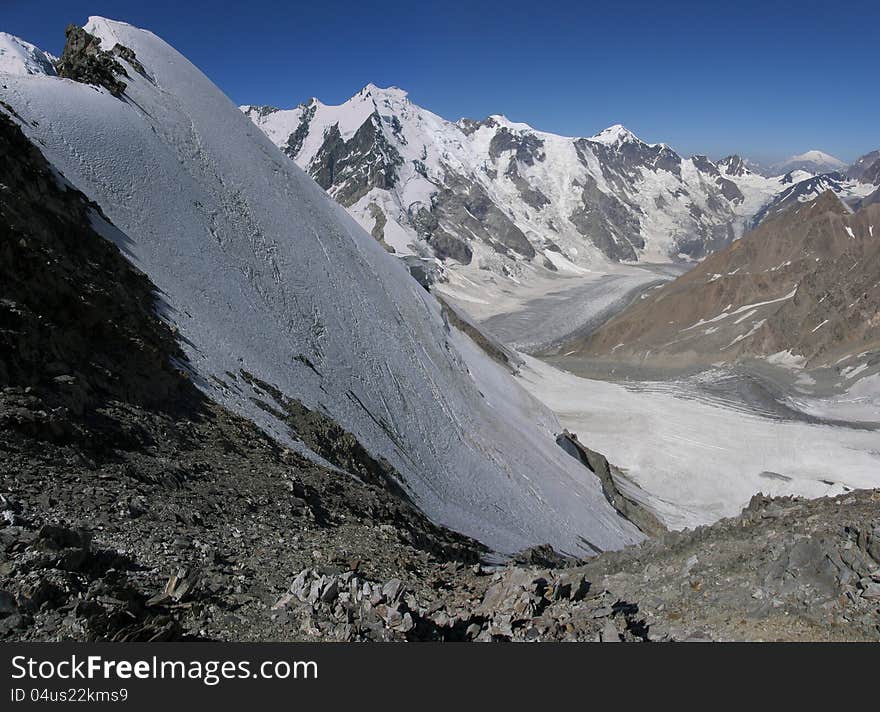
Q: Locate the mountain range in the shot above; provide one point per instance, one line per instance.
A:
(499, 194)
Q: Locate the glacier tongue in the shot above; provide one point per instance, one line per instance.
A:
(264, 274)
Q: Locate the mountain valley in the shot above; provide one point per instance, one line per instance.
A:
(360, 372)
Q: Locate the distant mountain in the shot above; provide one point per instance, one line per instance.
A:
(848, 190)
(812, 161)
(802, 287)
(867, 166)
(497, 194)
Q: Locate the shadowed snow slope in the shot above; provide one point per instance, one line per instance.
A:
(264, 274)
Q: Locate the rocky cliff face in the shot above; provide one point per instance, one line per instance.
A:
(860, 167)
(83, 60)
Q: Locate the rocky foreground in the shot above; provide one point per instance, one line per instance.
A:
(786, 569)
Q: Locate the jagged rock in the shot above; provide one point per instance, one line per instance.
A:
(392, 589)
(871, 591)
(635, 512)
(12, 623)
(610, 634)
(179, 586)
(84, 61)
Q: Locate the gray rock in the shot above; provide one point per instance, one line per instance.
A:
(871, 591)
(391, 590)
(7, 604)
(610, 633)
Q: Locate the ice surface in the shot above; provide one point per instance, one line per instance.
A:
(699, 461)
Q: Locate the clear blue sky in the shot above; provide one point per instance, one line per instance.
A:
(766, 79)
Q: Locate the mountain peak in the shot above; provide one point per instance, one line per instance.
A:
(816, 155)
(814, 161)
(378, 92)
(829, 202)
(615, 135)
(734, 165)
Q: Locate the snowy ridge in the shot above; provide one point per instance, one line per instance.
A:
(849, 190)
(496, 194)
(263, 274)
(584, 200)
(20, 57)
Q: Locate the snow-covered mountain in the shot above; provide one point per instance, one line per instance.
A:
(812, 161)
(497, 194)
(801, 190)
(20, 57)
(286, 309)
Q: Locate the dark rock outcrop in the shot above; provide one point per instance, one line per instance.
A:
(608, 475)
(348, 169)
(84, 61)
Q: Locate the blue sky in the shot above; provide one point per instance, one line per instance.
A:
(766, 79)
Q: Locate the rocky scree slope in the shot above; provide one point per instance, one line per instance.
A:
(804, 283)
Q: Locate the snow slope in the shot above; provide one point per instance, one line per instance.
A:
(263, 273)
(20, 57)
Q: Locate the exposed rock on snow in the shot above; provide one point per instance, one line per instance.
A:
(83, 60)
